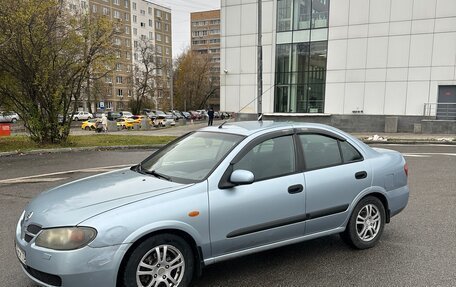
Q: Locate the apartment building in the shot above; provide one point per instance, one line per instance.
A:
(205, 39)
(151, 24)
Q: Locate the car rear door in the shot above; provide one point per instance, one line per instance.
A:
(271, 209)
(335, 173)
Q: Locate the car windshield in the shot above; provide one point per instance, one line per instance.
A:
(191, 158)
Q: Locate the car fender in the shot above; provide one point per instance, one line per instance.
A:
(368, 191)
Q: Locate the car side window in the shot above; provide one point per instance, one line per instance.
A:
(320, 151)
(349, 153)
(271, 158)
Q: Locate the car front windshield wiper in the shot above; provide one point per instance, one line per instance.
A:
(157, 175)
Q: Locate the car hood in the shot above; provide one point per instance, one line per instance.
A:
(74, 202)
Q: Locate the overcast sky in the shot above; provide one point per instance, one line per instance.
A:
(181, 10)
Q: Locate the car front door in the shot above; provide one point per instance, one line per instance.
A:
(271, 209)
(335, 174)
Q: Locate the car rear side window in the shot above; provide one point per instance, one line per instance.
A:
(320, 151)
(349, 153)
(271, 158)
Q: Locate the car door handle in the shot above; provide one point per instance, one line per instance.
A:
(360, 175)
(295, 189)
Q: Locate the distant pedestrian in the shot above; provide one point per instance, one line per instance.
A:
(210, 114)
(104, 123)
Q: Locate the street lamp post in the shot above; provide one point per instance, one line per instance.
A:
(260, 65)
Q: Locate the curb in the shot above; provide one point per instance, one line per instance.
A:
(79, 149)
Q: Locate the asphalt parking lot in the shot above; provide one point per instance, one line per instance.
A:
(418, 247)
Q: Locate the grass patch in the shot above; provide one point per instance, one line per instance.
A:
(23, 143)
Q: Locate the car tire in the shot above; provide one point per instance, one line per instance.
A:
(76, 119)
(87, 128)
(13, 121)
(366, 224)
(178, 263)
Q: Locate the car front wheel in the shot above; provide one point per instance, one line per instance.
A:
(366, 224)
(164, 260)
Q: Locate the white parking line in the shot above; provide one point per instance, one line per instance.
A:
(427, 154)
(25, 179)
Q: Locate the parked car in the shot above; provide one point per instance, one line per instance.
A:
(126, 114)
(177, 113)
(195, 115)
(187, 115)
(8, 117)
(164, 121)
(113, 116)
(79, 116)
(203, 114)
(89, 124)
(138, 119)
(125, 123)
(211, 195)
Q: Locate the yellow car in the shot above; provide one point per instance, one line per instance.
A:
(125, 123)
(139, 119)
(89, 124)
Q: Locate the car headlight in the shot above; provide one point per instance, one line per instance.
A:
(65, 238)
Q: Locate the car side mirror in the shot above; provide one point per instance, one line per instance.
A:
(241, 176)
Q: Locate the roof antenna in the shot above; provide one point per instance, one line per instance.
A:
(220, 126)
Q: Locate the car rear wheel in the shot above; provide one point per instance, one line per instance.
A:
(13, 121)
(87, 128)
(164, 260)
(76, 119)
(366, 224)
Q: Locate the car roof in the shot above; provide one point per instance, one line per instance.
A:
(247, 128)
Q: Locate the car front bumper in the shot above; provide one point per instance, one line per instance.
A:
(86, 266)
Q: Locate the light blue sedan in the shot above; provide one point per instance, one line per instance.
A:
(211, 195)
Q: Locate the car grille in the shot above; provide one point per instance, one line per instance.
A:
(50, 279)
(31, 231)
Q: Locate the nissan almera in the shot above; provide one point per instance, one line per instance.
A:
(211, 195)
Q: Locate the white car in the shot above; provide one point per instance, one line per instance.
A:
(82, 116)
(164, 121)
(8, 117)
(126, 114)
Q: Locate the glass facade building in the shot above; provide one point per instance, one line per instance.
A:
(301, 53)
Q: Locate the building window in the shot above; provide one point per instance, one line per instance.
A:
(118, 67)
(119, 80)
(135, 44)
(213, 41)
(127, 17)
(118, 54)
(119, 92)
(108, 79)
(127, 30)
(133, 5)
(300, 77)
(117, 41)
(158, 37)
(166, 39)
(159, 49)
(106, 11)
(94, 8)
(302, 14)
(128, 55)
(151, 23)
(166, 27)
(143, 24)
(149, 10)
(151, 35)
(143, 12)
(127, 42)
(116, 2)
(157, 25)
(167, 51)
(135, 18)
(158, 13)
(127, 3)
(116, 14)
(135, 31)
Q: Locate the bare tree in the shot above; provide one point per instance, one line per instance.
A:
(45, 63)
(193, 83)
(147, 77)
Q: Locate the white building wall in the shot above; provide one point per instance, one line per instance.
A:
(238, 60)
(389, 56)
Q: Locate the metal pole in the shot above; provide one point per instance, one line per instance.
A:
(260, 66)
(171, 89)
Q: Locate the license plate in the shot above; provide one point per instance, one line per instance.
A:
(20, 254)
